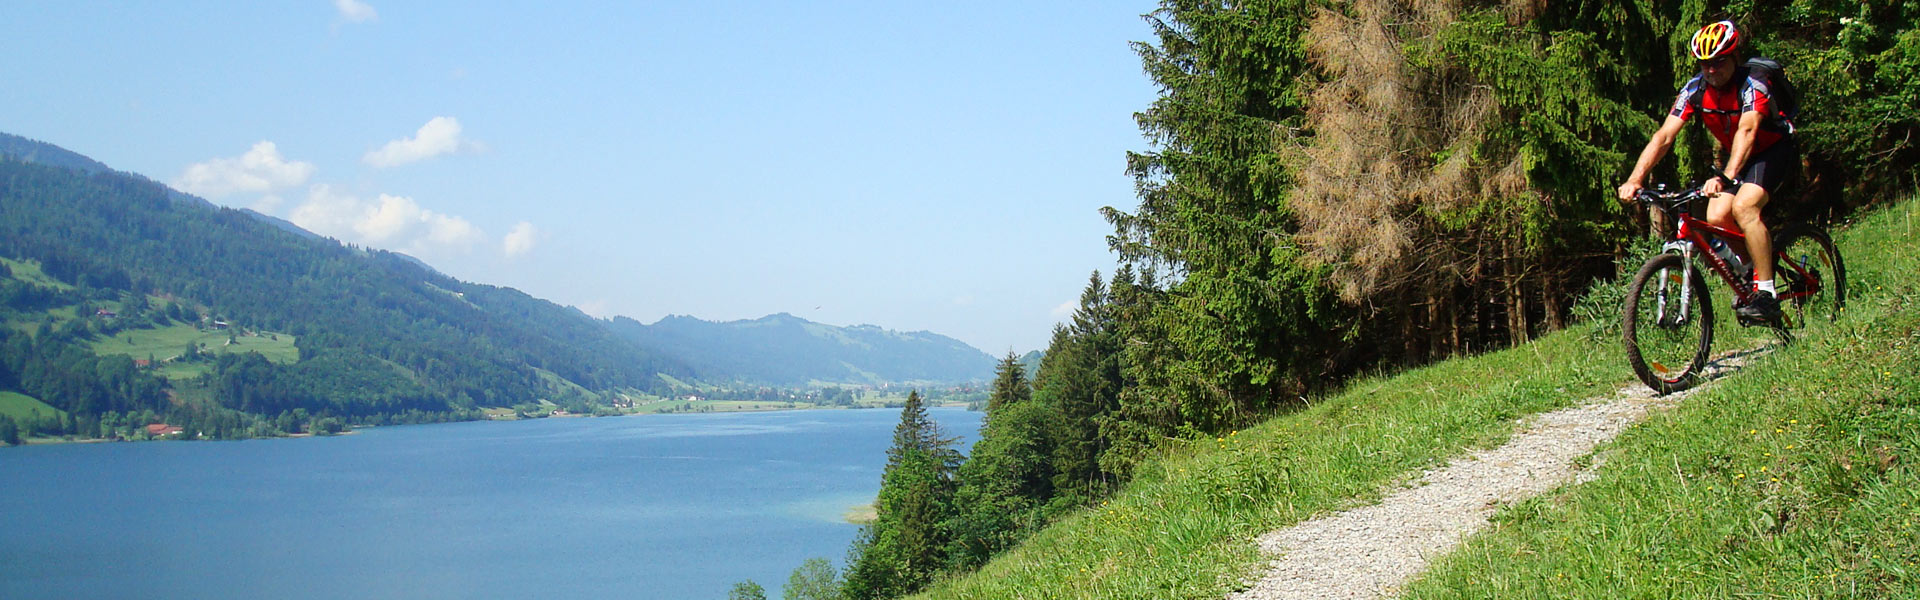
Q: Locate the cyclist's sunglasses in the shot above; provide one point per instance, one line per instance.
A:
(1718, 62)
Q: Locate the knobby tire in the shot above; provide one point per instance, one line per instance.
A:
(1651, 327)
(1814, 251)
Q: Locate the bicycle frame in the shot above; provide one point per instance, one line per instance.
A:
(1694, 232)
(1690, 239)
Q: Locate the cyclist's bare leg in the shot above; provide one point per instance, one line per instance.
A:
(1741, 212)
(1720, 211)
(1746, 210)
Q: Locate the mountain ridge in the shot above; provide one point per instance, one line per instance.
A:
(781, 348)
(857, 354)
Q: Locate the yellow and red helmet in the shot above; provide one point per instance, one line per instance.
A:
(1715, 40)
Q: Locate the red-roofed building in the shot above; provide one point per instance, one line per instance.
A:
(162, 430)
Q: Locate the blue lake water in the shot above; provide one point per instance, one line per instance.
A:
(664, 506)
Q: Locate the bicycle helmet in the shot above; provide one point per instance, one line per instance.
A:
(1715, 40)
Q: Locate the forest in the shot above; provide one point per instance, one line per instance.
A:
(1340, 187)
(380, 338)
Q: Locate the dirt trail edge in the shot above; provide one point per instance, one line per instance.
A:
(1371, 551)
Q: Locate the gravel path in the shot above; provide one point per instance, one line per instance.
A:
(1371, 551)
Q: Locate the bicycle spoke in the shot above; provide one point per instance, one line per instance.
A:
(1668, 324)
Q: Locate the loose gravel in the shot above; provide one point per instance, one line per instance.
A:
(1372, 551)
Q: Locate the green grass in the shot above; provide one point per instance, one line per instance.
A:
(1795, 478)
(29, 271)
(21, 406)
(558, 385)
(1685, 506)
(1185, 527)
(164, 343)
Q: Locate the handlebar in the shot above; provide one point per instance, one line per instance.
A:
(1668, 201)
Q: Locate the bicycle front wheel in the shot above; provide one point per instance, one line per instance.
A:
(1668, 324)
(1809, 274)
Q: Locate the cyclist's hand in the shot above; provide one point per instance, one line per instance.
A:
(1711, 187)
(1628, 190)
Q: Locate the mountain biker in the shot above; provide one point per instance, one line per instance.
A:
(1756, 140)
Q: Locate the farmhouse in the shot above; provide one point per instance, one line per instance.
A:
(162, 430)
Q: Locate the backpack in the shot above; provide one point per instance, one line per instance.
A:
(1785, 97)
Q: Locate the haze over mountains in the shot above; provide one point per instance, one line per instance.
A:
(375, 316)
(789, 350)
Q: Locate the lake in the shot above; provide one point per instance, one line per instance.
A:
(658, 506)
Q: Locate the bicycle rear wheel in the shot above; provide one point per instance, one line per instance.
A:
(1668, 324)
(1809, 274)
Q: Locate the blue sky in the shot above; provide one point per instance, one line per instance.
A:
(917, 166)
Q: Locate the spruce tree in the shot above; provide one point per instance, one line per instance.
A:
(1082, 380)
(904, 548)
(1008, 477)
(1009, 384)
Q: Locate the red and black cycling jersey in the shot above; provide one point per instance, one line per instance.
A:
(1720, 109)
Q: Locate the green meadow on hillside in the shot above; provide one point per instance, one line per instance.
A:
(30, 272)
(21, 406)
(1793, 477)
(164, 345)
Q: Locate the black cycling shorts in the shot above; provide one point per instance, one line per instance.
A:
(1775, 168)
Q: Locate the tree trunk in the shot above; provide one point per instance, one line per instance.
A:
(1409, 327)
(1436, 344)
(1551, 301)
(1516, 302)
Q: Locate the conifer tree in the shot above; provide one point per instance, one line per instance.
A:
(1009, 384)
(1008, 478)
(902, 550)
(1081, 379)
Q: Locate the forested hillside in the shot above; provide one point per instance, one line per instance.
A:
(1337, 187)
(378, 335)
(786, 350)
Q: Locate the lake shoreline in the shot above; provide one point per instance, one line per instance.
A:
(50, 441)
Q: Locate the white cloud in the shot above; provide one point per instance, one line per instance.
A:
(392, 222)
(1065, 309)
(597, 308)
(439, 136)
(267, 204)
(261, 170)
(520, 241)
(356, 11)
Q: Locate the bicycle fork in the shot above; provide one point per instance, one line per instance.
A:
(1670, 278)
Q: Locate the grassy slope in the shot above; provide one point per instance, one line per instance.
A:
(20, 406)
(1184, 528)
(29, 271)
(159, 343)
(163, 343)
(1796, 478)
